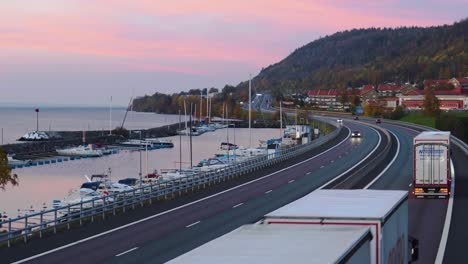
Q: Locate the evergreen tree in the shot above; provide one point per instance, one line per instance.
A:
(430, 103)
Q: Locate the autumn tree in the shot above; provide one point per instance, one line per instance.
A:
(430, 103)
(5, 172)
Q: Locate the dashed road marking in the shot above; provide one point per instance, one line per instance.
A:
(192, 224)
(237, 205)
(267, 192)
(291, 181)
(125, 252)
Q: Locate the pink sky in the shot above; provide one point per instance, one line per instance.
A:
(113, 47)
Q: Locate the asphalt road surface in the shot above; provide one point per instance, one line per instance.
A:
(175, 232)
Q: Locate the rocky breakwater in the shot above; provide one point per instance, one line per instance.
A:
(44, 146)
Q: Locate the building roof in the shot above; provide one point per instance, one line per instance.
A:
(280, 244)
(434, 82)
(323, 92)
(455, 91)
(358, 204)
(414, 92)
(390, 99)
(389, 87)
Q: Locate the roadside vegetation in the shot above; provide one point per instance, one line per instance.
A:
(5, 172)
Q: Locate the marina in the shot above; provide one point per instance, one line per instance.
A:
(61, 177)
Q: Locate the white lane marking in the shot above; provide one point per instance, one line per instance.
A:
(291, 181)
(322, 167)
(125, 252)
(357, 164)
(339, 157)
(237, 205)
(267, 192)
(192, 224)
(388, 166)
(448, 219)
(180, 207)
(308, 173)
(332, 161)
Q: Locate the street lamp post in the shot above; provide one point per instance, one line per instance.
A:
(139, 173)
(37, 119)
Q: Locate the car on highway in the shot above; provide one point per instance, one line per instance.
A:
(378, 121)
(356, 133)
(339, 121)
(356, 118)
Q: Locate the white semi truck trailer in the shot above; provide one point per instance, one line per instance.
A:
(385, 213)
(325, 226)
(432, 174)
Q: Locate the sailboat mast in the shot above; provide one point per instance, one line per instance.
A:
(195, 114)
(185, 115)
(191, 165)
(201, 105)
(110, 116)
(227, 133)
(146, 159)
(180, 141)
(281, 119)
(207, 103)
(209, 116)
(250, 111)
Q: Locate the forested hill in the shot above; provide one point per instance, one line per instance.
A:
(375, 55)
(349, 58)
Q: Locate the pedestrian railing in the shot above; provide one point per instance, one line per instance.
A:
(62, 218)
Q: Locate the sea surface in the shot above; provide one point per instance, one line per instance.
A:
(16, 122)
(38, 186)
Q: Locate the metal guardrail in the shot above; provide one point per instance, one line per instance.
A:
(49, 221)
(460, 143)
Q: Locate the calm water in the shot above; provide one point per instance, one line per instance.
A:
(17, 121)
(45, 183)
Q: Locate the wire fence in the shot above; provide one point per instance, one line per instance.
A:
(50, 221)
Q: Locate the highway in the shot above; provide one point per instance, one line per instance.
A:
(426, 216)
(221, 210)
(167, 235)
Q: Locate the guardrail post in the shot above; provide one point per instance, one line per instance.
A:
(114, 204)
(41, 220)
(150, 194)
(81, 212)
(68, 217)
(92, 212)
(9, 231)
(25, 229)
(103, 206)
(55, 221)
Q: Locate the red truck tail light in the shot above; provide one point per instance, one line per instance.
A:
(444, 190)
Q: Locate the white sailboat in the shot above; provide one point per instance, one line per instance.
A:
(81, 151)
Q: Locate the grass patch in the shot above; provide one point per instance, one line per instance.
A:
(419, 118)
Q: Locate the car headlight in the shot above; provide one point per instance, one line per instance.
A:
(358, 134)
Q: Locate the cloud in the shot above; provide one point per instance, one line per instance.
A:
(208, 38)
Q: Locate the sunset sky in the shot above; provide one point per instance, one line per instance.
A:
(82, 51)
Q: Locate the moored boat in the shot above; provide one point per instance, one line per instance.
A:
(81, 151)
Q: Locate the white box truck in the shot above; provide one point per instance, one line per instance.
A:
(285, 244)
(385, 213)
(432, 174)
